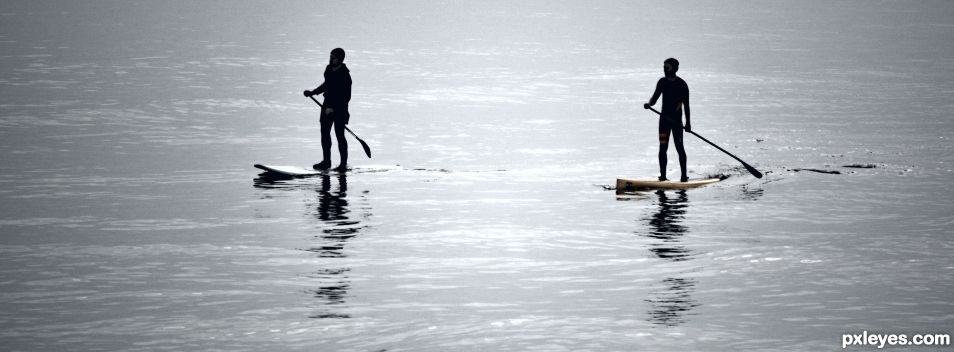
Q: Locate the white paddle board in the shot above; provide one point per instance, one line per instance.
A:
(290, 171)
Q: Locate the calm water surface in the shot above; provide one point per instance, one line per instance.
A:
(132, 218)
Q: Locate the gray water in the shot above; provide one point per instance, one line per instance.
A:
(132, 218)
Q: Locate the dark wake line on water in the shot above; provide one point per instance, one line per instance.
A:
(836, 172)
(831, 172)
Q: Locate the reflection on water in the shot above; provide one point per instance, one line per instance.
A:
(752, 193)
(272, 181)
(336, 229)
(332, 211)
(665, 225)
(336, 226)
(671, 304)
(332, 291)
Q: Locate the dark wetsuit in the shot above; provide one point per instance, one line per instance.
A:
(337, 92)
(675, 94)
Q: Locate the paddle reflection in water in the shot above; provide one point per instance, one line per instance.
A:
(673, 301)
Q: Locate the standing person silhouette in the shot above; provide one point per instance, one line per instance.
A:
(675, 94)
(337, 92)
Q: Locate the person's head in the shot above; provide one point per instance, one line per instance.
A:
(670, 66)
(337, 56)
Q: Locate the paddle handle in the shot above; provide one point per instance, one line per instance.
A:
(322, 106)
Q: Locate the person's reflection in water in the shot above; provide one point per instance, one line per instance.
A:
(673, 302)
(333, 212)
(337, 228)
(666, 226)
(332, 292)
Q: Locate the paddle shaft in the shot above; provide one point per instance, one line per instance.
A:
(748, 167)
(367, 149)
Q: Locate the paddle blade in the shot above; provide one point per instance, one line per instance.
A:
(753, 171)
(367, 150)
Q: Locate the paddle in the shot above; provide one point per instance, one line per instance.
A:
(748, 167)
(367, 149)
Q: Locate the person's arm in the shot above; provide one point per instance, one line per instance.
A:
(652, 101)
(316, 91)
(320, 89)
(688, 124)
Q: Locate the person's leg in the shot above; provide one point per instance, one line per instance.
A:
(326, 124)
(342, 142)
(680, 148)
(663, 148)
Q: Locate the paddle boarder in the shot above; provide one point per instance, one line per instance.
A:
(675, 94)
(337, 92)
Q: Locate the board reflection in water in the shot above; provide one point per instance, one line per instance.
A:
(673, 301)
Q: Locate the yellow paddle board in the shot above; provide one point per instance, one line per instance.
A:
(638, 184)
